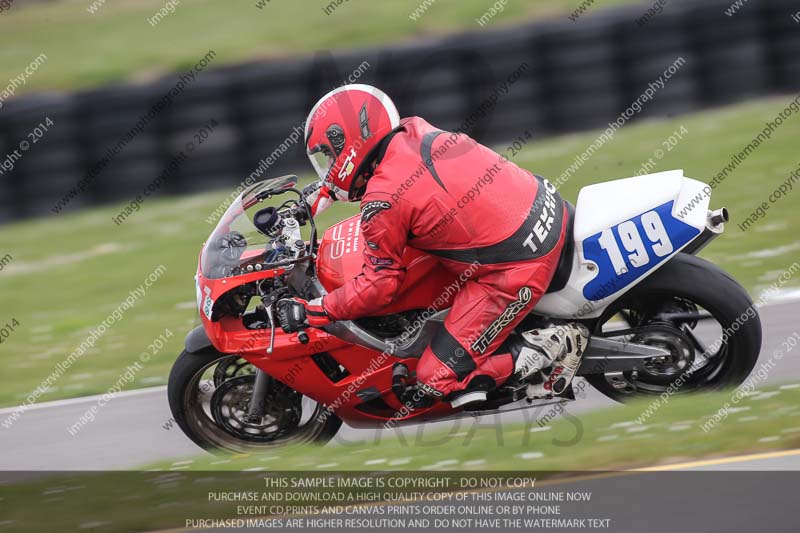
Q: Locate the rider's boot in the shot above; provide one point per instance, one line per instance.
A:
(550, 358)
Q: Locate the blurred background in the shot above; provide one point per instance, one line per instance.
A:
(125, 126)
(98, 75)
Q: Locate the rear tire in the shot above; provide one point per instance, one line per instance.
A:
(193, 418)
(705, 284)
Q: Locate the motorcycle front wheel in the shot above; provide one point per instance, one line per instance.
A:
(698, 313)
(210, 393)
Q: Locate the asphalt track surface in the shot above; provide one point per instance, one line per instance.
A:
(134, 429)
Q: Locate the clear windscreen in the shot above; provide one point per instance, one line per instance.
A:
(237, 246)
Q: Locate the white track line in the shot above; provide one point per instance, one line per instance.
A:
(84, 399)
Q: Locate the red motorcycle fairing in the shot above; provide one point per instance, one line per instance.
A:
(362, 398)
(360, 395)
(340, 258)
(291, 363)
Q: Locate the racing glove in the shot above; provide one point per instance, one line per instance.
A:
(296, 313)
(318, 197)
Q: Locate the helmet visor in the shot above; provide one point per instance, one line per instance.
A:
(322, 160)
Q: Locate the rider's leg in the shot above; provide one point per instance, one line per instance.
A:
(462, 355)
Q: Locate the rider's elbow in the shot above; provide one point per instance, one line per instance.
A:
(388, 288)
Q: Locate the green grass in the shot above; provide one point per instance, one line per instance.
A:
(117, 43)
(604, 441)
(70, 272)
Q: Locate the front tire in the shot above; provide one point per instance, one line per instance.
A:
(193, 382)
(691, 282)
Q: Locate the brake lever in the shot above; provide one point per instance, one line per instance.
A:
(269, 307)
(271, 316)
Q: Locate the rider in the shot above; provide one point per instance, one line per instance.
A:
(480, 214)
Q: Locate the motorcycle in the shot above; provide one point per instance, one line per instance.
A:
(629, 271)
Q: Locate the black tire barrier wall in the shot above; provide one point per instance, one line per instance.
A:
(571, 76)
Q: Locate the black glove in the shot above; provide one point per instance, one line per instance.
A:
(292, 315)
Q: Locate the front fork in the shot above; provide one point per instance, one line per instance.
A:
(257, 404)
(257, 407)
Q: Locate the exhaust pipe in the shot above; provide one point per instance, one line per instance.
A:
(720, 216)
(715, 225)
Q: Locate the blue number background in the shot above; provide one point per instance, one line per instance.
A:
(608, 281)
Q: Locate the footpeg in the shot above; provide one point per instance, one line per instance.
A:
(399, 380)
(408, 395)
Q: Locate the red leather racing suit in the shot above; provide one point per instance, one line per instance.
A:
(480, 214)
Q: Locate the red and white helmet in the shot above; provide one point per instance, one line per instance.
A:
(342, 130)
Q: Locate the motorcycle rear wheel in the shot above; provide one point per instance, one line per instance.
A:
(203, 407)
(686, 284)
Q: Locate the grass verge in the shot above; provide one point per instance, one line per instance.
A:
(117, 42)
